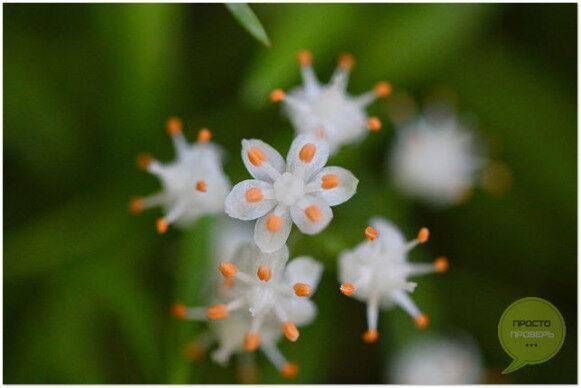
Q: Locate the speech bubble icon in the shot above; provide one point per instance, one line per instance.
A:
(531, 330)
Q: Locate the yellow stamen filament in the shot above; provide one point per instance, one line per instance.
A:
(382, 89)
(370, 233)
(423, 235)
(218, 311)
(162, 225)
(264, 273)
(204, 135)
(227, 269)
(179, 310)
(347, 289)
(290, 331)
(277, 95)
(374, 124)
(174, 126)
(201, 186)
(253, 194)
(305, 57)
(136, 205)
(251, 341)
(330, 181)
(302, 289)
(273, 223)
(256, 156)
(313, 213)
(289, 370)
(346, 61)
(370, 336)
(144, 160)
(422, 321)
(194, 351)
(307, 153)
(441, 264)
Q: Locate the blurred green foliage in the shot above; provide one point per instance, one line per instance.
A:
(87, 287)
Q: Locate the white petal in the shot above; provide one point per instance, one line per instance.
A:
(304, 223)
(304, 269)
(269, 169)
(237, 206)
(269, 241)
(344, 191)
(248, 258)
(301, 311)
(389, 234)
(307, 168)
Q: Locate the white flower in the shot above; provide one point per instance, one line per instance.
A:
(267, 298)
(435, 159)
(327, 109)
(301, 190)
(376, 272)
(193, 185)
(439, 361)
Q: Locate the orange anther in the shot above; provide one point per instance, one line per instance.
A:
(227, 269)
(253, 194)
(289, 370)
(273, 223)
(194, 351)
(136, 205)
(346, 61)
(313, 213)
(423, 235)
(347, 289)
(161, 225)
(277, 95)
(218, 311)
(204, 135)
(174, 126)
(256, 156)
(290, 331)
(370, 233)
(305, 57)
(202, 186)
(179, 310)
(302, 289)
(330, 181)
(374, 124)
(307, 153)
(382, 89)
(422, 321)
(251, 341)
(144, 160)
(370, 336)
(441, 264)
(264, 273)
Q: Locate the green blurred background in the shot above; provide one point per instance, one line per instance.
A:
(87, 286)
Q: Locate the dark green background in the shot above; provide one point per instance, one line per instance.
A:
(87, 287)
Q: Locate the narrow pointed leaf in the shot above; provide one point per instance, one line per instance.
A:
(248, 19)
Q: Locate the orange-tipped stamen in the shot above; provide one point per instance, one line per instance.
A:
(144, 160)
(273, 223)
(382, 89)
(161, 225)
(256, 156)
(251, 341)
(290, 331)
(374, 124)
(194, 351)
(277, 95)
(313, 213)
(370, 336)
(202, 186)
(307, 152)
(179, 310)
(204, 135)
(370, 233)
(347, 289)
(253, 194)
(441, 264)
(136, 205)
(423, 235)
(218, 311)
(174, 126)
(228, 270)
(346, 61)
(305, 57)
(264, 273)
(422, 321)
(289, 370)
(330, 181)
(302, 289)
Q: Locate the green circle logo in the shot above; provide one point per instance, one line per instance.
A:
(531, 330)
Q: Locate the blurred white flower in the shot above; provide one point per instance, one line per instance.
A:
(193, 185)
(327, 110)
(438, 360)
(301, 190)
(376, 272)
(435, 158)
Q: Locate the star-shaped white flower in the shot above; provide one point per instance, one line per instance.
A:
(193, 185)
(327, 110)
(376, 272)
(301, 190)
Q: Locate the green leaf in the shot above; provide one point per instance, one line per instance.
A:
(247, 19)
